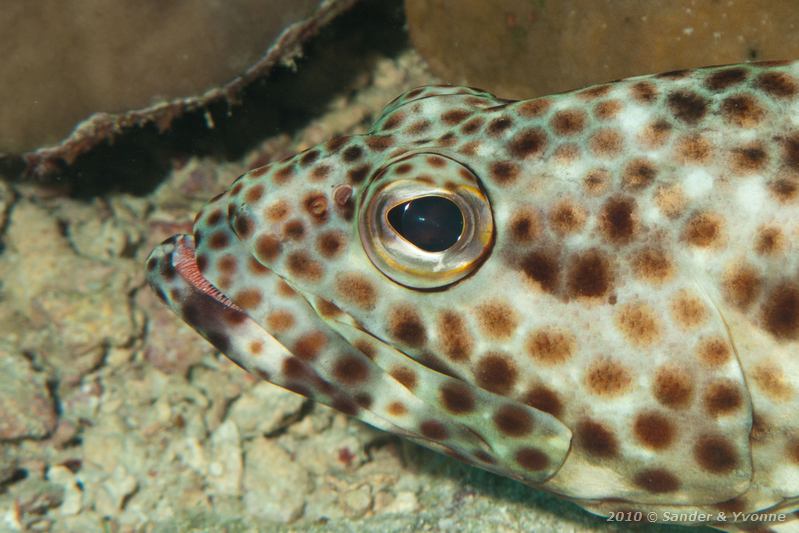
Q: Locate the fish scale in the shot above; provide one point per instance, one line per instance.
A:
(617, 322)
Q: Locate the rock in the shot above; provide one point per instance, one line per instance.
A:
(133, 64)
(99, 231)
(171, 346)
(37, 496)
(225, 463)
(26, 408)
(114, 491)
(358, 500)
(539, 48)
(275, 486)
(110, 443)
(75, 307)
(7, 198)
(8, 463)
(265, 409)
(73, 495)
(404, 502)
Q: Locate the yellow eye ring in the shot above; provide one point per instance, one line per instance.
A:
(422, 176)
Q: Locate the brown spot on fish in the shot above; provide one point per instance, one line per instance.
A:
(248, 298)
(654, 430)
(541, 268)
(498, 126)
(644, 92)
(781, 311)
(590, 275)
(456, 341)
(596, 181)
(301, 265)
(607, 377)
(596, 439)
(715, 454)
(504, 172)
(777, 84)
(277, 211)
(309, 345)
(433, 429)
(406, 376)
(544, 399)
(722, 398)
(770, 241)
(748, 159)
(406, 326)
(688, 310)
(606, 143)
(742, 110)
(714, 351)
(772, 381)
(567, 217)
(687, 106)
(254, 193)
(309, 157)
(294, 230)
(638, 174)
(356, 289)
(525, 226)
(533, 108)
(551, 345)
(457, 397)
(527, 144)
(703, 229)
(723, 79)
(455, 116)
(655, 134)
(618, 220)
(532, 459)
(693, 148)
(639, 323)
(280, 321)
(657, 481)
(742, 285)
(568, 122)
(673, 387)
(267, 247)
(350, 370)
(496, 372)
(331, 243)
(513, 420)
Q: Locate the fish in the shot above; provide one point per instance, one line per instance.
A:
(595, 293)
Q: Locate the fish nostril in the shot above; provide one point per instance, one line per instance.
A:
(318, 207)
(315, 204)
(342, 195)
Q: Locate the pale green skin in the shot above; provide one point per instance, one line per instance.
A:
(633, 305)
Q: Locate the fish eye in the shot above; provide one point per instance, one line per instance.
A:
(425, 222)
(432, 223)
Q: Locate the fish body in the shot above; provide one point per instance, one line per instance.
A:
(595, 293)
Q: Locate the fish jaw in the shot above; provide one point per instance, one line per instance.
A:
(341, 375)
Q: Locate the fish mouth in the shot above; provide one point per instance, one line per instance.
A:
(174, 275)
(343, 376)
(184, 261)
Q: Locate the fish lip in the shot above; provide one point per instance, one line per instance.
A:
(184, 260)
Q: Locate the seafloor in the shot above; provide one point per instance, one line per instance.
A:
(115, 416)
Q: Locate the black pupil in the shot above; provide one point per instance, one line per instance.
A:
(431, 223)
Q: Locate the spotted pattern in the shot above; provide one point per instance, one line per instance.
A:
(632, 333)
